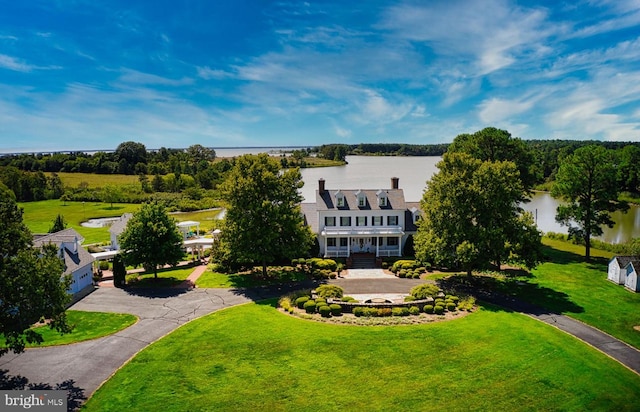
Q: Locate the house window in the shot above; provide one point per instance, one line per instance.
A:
(377, 221)
(382, 201)
(345, 221)
(392, 220)
(362, 201)
(361, 221)
(330, 221)
(331, 241)
(344, 241)
(392, 241)
(339, 199)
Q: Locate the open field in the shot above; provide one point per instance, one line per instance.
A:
(94, 180)
(39, 216)
(252, 357)
(86, 326)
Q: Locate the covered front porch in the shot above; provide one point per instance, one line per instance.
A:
(342, 242)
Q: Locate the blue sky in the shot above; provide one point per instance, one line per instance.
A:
(80, 75)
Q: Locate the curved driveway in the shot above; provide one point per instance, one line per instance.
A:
(90, 363)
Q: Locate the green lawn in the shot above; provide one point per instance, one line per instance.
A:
(39, 216)
(166, 278)
(210, 279)
(86, 326)
(252, 357)
(581, 290)
(94, 180)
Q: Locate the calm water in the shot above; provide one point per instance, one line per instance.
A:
(366, 172)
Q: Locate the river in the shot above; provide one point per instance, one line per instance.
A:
(375, 172)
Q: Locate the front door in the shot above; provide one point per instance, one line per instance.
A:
(360, 245)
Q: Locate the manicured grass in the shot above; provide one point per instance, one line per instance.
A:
(86, 326)
(166, 278)
(39, 216)
(581, 290)
(210, 279)
(251, 357)
(208, 218)
(94, 180)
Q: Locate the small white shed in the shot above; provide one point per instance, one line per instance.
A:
(618, 269)
(631, 280)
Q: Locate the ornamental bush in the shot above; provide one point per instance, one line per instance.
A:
(424, 291)
(310, 306)
(329, 291)
(325, 311)
(400, 311)
(427, 309)
(414, 310)
(402, 273)
(383, 312)
(320, 300)
(438, 310)
(301, 301)
(349, 299)
(451, 307)
(409, 298)
(336, 310)
(358, 311)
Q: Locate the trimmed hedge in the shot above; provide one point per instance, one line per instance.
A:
(301, 301)
(325, 311)
(336, 310)
(414, 310)
(427, 309)
(438, 310)
(310, 306)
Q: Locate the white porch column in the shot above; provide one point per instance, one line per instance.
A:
(349, 246)
(377, 246)
(399, 245)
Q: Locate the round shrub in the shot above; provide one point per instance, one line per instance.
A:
(439, 301)
(320, 306)
(400, 311)
(358, 311)
(103, 265)
(336, 309)
(310, 306)
(409, 298)
(385, 265)
(325, 311)
(402, 273)
(301, 301)
(382, 312)
(427, 309)
(320, 300)
(438, 310)
(414, 310)
(451, 307)
(329, 291)
(424, 291)
(349, 299)
(416, 275)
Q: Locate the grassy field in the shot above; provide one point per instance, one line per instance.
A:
(94, 180)
(252, 357)
(86, 326)
(581, 290)
(39, 216)
(166, 278)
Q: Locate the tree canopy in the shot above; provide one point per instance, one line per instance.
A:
(31, 283)
(586, 182)
(151, 239)
(472, 216)
(491, 144)
(264, 222)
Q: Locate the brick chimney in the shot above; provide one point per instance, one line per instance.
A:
(321, 189)
(395, 183)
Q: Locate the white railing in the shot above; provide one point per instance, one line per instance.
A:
(389, 253)
(336, 253)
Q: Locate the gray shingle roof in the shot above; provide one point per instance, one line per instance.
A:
(327, 199)
(73, 258)
(118, 226)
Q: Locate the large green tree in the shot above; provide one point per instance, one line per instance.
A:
(586, 182)
(492, 144)
(472, 216)
(151, 239)
(31, 283)
(264, 222)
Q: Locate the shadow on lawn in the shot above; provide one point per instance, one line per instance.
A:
(75, 395)
(564, 258)
(516, 294)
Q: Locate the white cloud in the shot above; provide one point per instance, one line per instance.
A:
(208, 73)
(496, 110)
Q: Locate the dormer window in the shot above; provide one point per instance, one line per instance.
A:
(382, 198)
(339, 199)
(362, 198)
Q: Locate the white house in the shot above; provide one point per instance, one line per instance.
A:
(77, 261)
(117, 228)
(349, 221)
(617, 272)
(631, 278)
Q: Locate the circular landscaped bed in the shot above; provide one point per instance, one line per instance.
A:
(426, 303)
